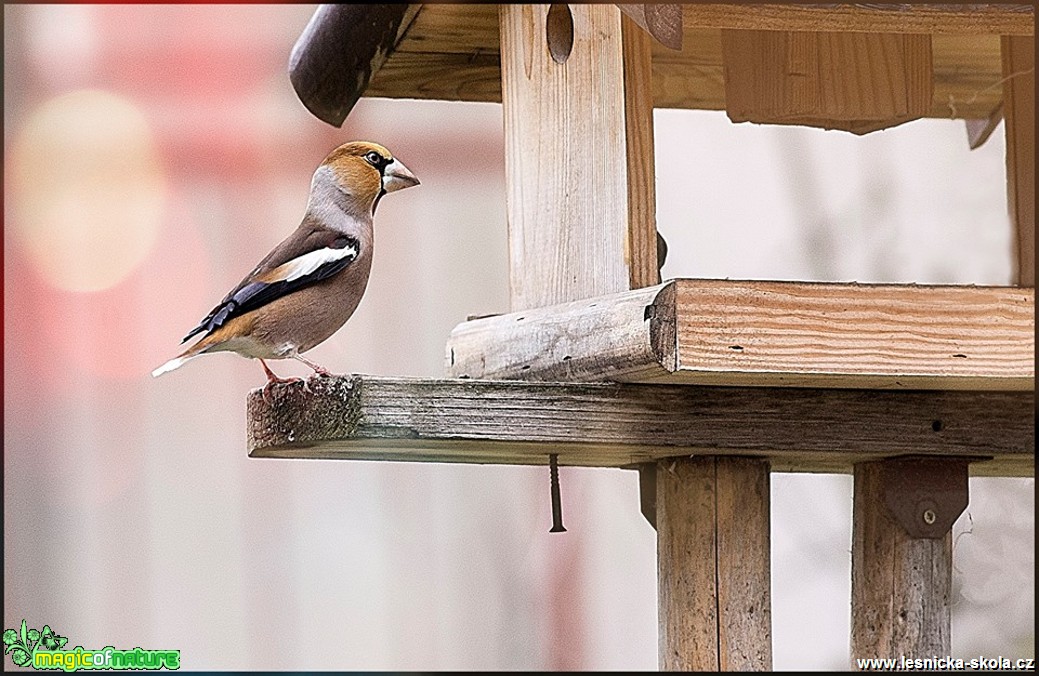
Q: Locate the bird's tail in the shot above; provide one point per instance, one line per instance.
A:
(178, 361)
(174, 363)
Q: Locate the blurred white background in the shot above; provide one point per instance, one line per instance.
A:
(154, 153)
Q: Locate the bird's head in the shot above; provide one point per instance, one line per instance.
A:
(367, 171)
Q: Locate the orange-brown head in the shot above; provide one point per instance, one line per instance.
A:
(367, 171)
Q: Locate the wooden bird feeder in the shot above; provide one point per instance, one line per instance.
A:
(704, 386)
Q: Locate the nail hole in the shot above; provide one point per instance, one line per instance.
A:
(937, 425)
(520, 319)
(559, 32)
(526, 367)
(566, 358)
(960, 356)
(738, 348)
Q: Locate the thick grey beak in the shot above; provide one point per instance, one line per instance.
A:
(397, 177)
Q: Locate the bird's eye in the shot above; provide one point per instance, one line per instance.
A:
(374, 157)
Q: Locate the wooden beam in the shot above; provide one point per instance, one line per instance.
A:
(857, 82)
(713, 562)
(999, 19)
(617, 425)
(901, 585)
(579, 180)
(771, 334)
(1019, 110)
(451, 52)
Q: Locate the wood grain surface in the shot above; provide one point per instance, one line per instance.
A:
(901, 586)
(773, 334)
(1019, 112)
(616, 425)
(452, 52)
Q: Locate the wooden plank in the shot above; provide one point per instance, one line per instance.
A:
(857, 82)
(724, 332)
(617, 425)
(451, 52)
(640, 249)
(572, 132)
(901, 586)
(1019, 109)
(998, 19)
(713, 562)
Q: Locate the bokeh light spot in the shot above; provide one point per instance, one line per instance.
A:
(88, 189)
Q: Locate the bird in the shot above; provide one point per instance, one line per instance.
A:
(308, 286)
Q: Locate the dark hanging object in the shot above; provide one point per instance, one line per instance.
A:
(334, 58)
(557, 507)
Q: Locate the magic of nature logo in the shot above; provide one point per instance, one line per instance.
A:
(44, 649)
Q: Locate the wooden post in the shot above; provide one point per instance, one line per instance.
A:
(578, 112)
(1019, 111)
(901, 565)
(578, 156)
(713, 560)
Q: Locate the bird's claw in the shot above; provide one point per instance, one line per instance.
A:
(267, 388)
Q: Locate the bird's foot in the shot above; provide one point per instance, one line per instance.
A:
(273, 379)
(267, 388)
(319, 371)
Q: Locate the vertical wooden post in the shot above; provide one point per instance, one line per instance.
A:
(900, 584)
(579, 170)
(1019, 112)
(578, 156)
(713, 559)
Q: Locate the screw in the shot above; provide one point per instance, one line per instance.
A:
(930, 517)
(557, 507)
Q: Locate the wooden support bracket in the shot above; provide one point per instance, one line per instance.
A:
(925, 494)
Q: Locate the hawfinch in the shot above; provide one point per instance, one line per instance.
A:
(310, 284)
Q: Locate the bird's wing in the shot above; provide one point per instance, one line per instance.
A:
(308, 256)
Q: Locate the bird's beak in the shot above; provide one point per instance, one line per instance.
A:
(397, 177)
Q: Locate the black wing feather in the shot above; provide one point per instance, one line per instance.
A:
(258, 294)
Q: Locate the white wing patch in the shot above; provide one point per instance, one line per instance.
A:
(308, 263)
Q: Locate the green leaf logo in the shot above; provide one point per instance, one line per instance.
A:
(25, 642)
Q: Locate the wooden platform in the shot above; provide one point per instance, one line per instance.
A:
(764, 333)
(616, 425)
(451, 51)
